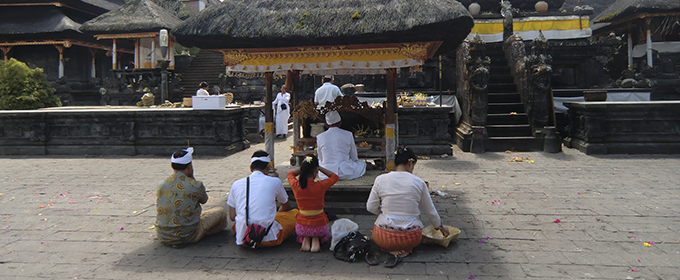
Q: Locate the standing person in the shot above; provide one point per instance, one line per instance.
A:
(282, 105)
(337, 150)
(395, 198)
(178, 203)
(326, 92)
(265, 191)
(203, 89)
(311, 223)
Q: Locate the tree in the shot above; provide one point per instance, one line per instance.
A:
(24, 88)
(175, 7)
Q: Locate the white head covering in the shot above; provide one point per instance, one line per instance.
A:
(262, 159)
(186, 159)
(333, 117)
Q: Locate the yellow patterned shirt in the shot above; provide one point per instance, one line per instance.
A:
(178, 208)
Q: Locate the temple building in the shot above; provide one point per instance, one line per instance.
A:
(47, 34)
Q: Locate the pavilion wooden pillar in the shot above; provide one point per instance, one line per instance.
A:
(293, 84)
(136, 59)
(114, 56)
(390, 117)
(650, 62)
(630, 51)
(5, 51)
(93, 67)
(153, 52)
(269, 119)
(60, 48)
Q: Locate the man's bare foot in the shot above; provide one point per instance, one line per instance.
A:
(305, 244)
(316, 247)
(400, 254)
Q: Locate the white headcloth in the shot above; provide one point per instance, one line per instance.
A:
(333, 117)
(186, 159)
(262, 159)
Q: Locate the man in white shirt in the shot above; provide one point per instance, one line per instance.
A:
(326, 92)
(203, 89)
(337, 150)
(265, 191)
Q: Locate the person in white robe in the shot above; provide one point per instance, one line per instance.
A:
(203, 89)
(337, 151)
(282, 105)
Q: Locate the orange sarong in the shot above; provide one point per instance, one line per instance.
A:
(392, 241)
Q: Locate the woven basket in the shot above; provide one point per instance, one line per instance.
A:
(431, 236)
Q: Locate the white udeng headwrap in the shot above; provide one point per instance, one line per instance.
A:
(333, 117)
(186, 159)
(263, 159)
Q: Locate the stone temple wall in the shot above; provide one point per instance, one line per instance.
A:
(122, 131)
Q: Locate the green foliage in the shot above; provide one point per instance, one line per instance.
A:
(175, 7)
(23, 88)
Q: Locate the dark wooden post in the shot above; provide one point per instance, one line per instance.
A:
(391, 117)
(293, 79)
(269, 118)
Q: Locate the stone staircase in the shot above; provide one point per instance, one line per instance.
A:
(507, 123)
(206, 66)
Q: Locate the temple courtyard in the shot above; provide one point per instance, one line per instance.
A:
(549, 216)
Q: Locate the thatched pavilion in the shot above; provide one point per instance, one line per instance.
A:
(650, 23)
(335, 36)
(137, 22)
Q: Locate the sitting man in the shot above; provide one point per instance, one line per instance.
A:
(179, 220)
(337, 151)
(265, 191)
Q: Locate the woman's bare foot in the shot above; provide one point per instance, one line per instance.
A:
(305, 244)
(316, 246)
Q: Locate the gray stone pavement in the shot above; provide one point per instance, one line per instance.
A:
(86, 217)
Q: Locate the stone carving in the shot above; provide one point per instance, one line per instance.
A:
(539, 86)
(478, 75)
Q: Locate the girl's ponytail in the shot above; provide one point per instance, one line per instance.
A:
(307, 169)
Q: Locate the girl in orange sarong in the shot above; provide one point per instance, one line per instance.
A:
(311, 223)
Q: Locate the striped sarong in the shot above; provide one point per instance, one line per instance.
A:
(392, 241)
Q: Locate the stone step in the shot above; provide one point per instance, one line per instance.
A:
(504, 97)
(505, 108)
(503, 87)
(508, 130)
(519, 144)
(500, 119)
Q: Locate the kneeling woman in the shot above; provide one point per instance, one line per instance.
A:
(311, 223)
(395, 198)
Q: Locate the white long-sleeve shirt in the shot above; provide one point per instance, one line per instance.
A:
(338, 153)
(395, 198)
(326, 92)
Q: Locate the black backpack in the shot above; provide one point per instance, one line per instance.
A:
(352, 247)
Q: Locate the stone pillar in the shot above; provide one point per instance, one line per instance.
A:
(649, 43)
(114, 56)
(269, 119)
(506, 12)
(390, 117)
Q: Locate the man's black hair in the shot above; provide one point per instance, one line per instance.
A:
(203, 85)
(178, 166)
(327, 79)
(259, 165)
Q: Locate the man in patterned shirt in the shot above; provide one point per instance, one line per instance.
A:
(179, 219)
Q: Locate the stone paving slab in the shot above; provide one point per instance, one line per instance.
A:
(63, 217)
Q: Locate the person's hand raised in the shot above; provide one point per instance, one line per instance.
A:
(445, 231)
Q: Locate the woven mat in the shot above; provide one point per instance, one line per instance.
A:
(366, 180)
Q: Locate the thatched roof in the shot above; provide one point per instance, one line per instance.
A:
(624, 8)
(134, 16)
(286, 23)
(34, 20)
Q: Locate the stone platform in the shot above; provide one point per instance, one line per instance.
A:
(645, 127)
